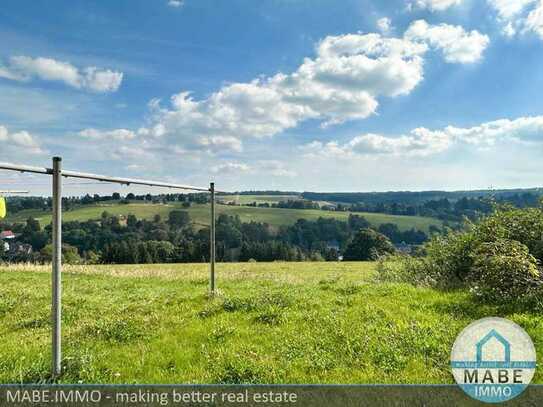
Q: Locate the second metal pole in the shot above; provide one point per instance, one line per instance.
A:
(212, 240)
(57, 267)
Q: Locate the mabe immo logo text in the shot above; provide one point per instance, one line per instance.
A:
(493, 360)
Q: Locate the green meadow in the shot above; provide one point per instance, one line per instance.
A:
(259, 199)
(200, 214)
(270, 323)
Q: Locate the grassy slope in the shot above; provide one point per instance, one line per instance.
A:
(200, 214)
(273, 323)
(245, 199)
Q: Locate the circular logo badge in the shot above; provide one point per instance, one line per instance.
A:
(493, 360)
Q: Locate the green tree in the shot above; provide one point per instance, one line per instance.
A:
(32, 225)
(368, 244)
(131, 221)
(178, 219)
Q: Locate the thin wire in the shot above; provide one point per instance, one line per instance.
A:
(48, 184)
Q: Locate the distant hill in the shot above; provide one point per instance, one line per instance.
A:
(199, 214)
(413, 198)
(284, 193)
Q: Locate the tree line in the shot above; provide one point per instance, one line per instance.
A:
(129, 240)
(19, 203)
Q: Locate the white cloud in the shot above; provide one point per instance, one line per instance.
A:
(134, 167)
(276, 168)
(267, 168)
(20, 142)
(457, 45)
(509, 30)
(435, 5)
(175, 3)
(345, 80)
(117, 134)
(130, 152)
(101, 80)
(384, 25)
(230, 168)
(23, 68)
(534, 21)
(519, 16)
(221, 143)
(424, 142)
(508, 9)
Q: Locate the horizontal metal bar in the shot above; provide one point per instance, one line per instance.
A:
(103, 178)
(25, 168)
(130, 181)
(13, 192)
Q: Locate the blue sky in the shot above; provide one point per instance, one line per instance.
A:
(276, 94)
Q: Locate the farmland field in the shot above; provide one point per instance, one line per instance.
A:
(271, 323)
(246, 199)
(200, 214)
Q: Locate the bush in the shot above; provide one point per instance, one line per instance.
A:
(407, 269)
(504, 271)
(316, 256)
(499, 258)
(70, 254)
(449, 259)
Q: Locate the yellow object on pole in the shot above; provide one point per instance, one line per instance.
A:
(3, 210)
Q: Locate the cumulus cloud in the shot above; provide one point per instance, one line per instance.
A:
(117, 134)
(534, 20)
(130, 152)
(344, 81)
(175, 3)
(519, 16)
(435, 5)
(384, 25)
(275, 168)
(230, 168)
(268, 168)
(423, 142)
(19, 142)
(508, 9)
(457, 45)
(24, 68)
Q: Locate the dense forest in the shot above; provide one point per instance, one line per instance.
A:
(446, 206)
(115, 239)
(417, 198)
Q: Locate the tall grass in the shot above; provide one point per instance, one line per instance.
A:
(272, 323)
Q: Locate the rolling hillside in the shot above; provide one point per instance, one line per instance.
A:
(200, 214)
(259, 199)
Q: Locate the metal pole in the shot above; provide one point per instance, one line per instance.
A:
(57, 266)
(212, 239)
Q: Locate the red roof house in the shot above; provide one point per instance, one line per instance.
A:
(8, 234)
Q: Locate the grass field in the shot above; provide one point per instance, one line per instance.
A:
(246, 199)
(200, 214)
(272, 323)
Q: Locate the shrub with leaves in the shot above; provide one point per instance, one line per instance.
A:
(500, 258)
(504, 271)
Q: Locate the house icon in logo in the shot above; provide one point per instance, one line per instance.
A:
(493, 334)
